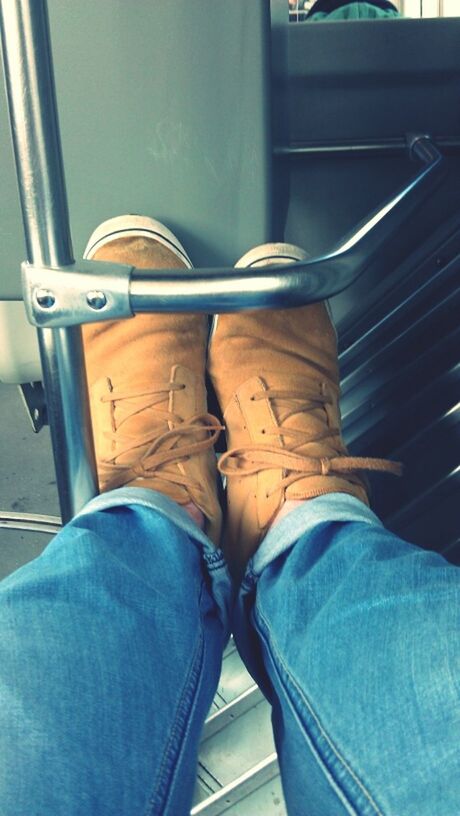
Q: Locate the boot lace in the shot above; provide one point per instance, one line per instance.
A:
(255, 458)
(156, 454)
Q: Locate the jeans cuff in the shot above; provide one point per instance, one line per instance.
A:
(303, 519)
(213, 557)
(323, 510)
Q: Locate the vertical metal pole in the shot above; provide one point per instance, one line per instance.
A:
(36, 141)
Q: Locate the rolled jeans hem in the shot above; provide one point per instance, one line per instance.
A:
(213, 558)
(302, 520)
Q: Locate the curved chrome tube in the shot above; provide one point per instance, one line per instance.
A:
(229, 290)
(56, 300)
(36, 141)
(126, 291)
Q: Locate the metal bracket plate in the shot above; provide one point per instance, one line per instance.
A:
(84, 292)
(33, 395)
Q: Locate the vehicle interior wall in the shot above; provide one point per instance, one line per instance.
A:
(345, 96)
(159, 113)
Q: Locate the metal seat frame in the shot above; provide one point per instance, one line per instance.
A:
(60, 294)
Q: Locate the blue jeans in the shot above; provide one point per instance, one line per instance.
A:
(111, 645)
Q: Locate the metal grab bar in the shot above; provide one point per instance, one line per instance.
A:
(226, 290)
(31, 96)
(93, 291)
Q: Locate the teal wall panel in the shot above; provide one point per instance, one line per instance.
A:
(163, 110)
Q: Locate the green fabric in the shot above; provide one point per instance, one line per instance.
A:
(354, 11)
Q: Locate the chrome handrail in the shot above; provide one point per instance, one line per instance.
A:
(55, 300)
(31, 95)
(288, 285)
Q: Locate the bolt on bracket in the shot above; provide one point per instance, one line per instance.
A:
(84, 292)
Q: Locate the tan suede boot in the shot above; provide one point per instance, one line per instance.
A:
(146, 383)
(276, 377)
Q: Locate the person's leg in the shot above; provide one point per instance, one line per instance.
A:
(111, 641)
(355, 637)
(354, 627)
(110, 650)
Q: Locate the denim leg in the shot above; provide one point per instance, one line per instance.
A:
(110, 652)
(355, 635)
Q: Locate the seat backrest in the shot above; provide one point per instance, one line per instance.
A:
(340, 85)
(163, 110)
(345, 95)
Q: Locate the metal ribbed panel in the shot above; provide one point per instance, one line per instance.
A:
(401, 399)
(398, 327)
(237, 758)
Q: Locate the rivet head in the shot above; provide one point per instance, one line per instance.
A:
(96, 299)
(45, 298)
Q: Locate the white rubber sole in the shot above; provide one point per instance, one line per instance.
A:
(124, 226)
(266, 254)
